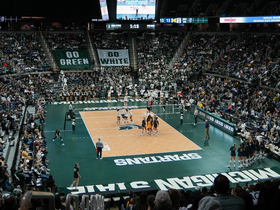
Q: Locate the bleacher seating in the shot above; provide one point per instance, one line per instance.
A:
(24, 50)
(256, 106)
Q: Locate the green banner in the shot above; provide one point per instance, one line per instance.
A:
(72, 59)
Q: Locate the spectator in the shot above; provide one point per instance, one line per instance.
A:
(163, 201)
(227, 201)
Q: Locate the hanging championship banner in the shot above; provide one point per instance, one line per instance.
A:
(113, 57)
(73, 59)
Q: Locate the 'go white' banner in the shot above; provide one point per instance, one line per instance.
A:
(113, 57)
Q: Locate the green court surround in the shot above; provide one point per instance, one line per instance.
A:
(79, 148)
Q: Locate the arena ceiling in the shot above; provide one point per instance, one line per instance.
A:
(55, 8)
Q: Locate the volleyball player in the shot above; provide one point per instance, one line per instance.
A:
(161, 96)
(77, 175)
(145, 95)
(125, 100)
(246, 155)
(125, 116)
(149, 125)
(123, 113)
(251, 151)
(156, 124)
(144, 126)
(152, 123)
(118, 116)
(166, 95)
(119, 93)
(240, 156)
(150, 101)
(136, 93)
(164, 104)
(130, 115)
(148, 113)
(57, 135)
(155, 96)
(232, 155)
(109, 94)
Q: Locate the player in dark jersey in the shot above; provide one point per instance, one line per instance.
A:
(77, 175)
(240, 155)
(156, 124)
(246, 153)
(144, 126)
(232, 155)
(57, 135)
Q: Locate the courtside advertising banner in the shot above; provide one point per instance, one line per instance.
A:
(113, 57)
(73, 59)
(251, 19)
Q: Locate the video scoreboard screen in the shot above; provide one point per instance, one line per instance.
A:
(136, 9)
(104, 10)
(130, 26)
(180, 20)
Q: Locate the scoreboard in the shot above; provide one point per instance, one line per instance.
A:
(184, 20)
(130, 26)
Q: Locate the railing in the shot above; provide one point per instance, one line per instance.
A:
(46, 49)
(93, 202)
(133, 53)
(223, 8)
(92, 51)
(180, 51)
(26, 199)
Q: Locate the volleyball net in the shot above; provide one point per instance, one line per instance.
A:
(156, 109)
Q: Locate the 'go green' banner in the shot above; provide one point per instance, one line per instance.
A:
(72, 59)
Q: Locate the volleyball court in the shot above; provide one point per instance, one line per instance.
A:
(127, 139)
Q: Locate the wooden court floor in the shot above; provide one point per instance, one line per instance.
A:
(124, 142)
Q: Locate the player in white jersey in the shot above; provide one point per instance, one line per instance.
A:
(148, 112)
(125, 100)
(136, 93)
(166, 95)
(109, 95)
(155, 96)
(145, 95)
(125, 116)
(130, 115)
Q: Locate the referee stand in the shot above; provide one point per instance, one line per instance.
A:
(70, 116)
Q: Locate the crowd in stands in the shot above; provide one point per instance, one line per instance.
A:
(5, 67)
(25, 51)
(103, 40)
(202, 50)
(154, 54)
(252, 196)
(31, 172)
(91, 85)
(253, 109)
(254, 58)
(11, 108)
(66, 41)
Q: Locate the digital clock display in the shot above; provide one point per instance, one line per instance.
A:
(133, 25)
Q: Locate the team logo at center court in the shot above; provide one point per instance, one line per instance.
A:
(129, 127)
